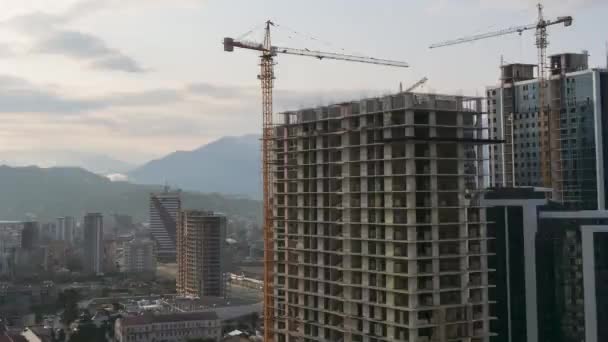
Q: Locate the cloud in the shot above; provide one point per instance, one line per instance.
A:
(117, 177)
(221, 91)
(463, 7)
(152, 97)
(553, 5)
(6, 50)
(18, 95)
(49, 37)
(285, 99)
(86, 47)
(118, 62)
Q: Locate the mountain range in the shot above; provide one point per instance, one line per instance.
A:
(94, 162)
(47, 193)
(230, 165)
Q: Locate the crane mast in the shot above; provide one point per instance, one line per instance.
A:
(544, 113)
(542, 43)
(266, 77)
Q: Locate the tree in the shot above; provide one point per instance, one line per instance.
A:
(74, 263)
(88, 332)
(68, 302)
(60, 336)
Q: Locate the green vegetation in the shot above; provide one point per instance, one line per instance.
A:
(68, 302)
(53, 192)
(88, 332)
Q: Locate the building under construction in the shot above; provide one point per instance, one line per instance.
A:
(201, 236)
(560, 147)
(378, 233)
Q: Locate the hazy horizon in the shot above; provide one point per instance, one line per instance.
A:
(134, 80)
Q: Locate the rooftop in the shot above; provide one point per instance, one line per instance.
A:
(174, 317)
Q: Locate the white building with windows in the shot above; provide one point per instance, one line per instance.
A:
(175, 327)
(139, 257)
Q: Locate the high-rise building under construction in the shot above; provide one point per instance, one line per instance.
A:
(565, 149)
(164, 210)
(201, 236)
(378, 233)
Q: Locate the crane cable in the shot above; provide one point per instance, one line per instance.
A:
(316, 39)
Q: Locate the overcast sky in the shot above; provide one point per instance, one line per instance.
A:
(136, 79)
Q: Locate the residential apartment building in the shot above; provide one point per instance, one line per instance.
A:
(561, 147)
(10, 241)
(175, 327)
(93, 243)
(378, 233)
(164, 210)
(65, 229)
(139, 256)
(30, 235)
(551, 268)
(201, 237)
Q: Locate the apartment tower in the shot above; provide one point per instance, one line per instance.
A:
(66, 229)
(30, 235)
(164, 210)
(378, 231)
(200, 243)
(139, 256)
(565, 149)
(93, 243)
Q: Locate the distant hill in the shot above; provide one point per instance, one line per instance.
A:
(94, 162)
(230, 165)
(52, 192)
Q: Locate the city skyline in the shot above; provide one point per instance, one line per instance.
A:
(113, 89)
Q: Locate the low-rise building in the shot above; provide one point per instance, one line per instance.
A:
(175, 327)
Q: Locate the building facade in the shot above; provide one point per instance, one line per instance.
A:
(65, 229)
(200, 246)
(164, 210)
(30, 235)
(513, 217)
(93, 243)
(560, 147)
(139, 257)
(551, 269)
(175, 327)
(10, 241)
(378, 233)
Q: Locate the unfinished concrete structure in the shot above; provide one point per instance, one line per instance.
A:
(378, 232)
(200, 243)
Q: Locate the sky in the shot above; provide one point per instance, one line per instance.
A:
(137, 79)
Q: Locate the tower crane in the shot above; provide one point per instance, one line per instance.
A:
(542, 42)
(267, 76)
(419, 83)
